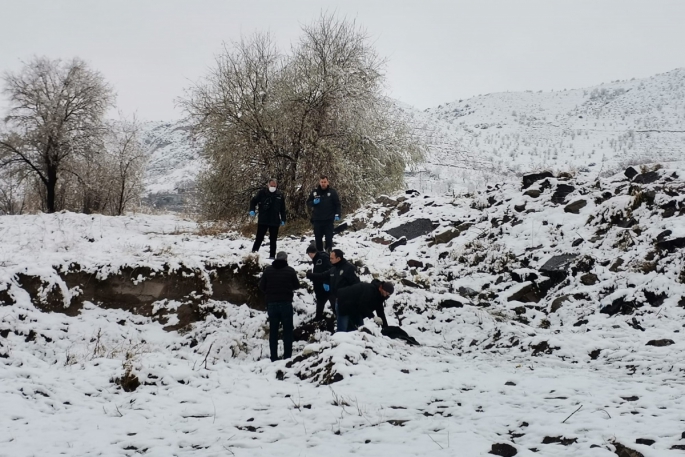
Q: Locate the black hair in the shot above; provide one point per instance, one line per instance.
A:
(311, 249)
(339, 254)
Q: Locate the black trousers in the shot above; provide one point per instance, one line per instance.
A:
(321, 300)
(323, 229)
(280, 313)
(273, 235)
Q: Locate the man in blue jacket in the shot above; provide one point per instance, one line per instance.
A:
(325, 205)
(269, 202)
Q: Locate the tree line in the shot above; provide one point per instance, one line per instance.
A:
(259, 113)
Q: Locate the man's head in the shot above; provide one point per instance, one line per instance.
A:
(323, 182)
(272, 185)
(311, 251)
(282, 256)
(336, 256)
(386, 289)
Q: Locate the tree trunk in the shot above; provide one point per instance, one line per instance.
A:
(51, 186)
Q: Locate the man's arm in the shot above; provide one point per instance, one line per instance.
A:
(255, 201)
(322, 276)
(310, 200)
(380, 312)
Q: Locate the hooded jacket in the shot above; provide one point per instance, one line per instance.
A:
(362, 300)
(270, 207)
(322, 263)
(278, 282)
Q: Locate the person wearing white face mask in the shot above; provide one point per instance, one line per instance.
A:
(269, 205)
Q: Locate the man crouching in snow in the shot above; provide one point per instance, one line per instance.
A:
(279, 282)
(361, 300)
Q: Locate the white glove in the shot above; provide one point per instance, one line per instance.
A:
(378, 321)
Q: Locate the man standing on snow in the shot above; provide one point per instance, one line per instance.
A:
(270, 204)
(341, 274)
(322, 288)
(362, 300)
(279, 282)
(325, 206)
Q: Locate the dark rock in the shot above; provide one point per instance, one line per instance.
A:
(661, 236)
(341, 227)
(562, 191)
(630, 172)
(645, 441)
(503, 449)
(542, 348)
(386, 201)
(449, 303)
(576, 206)
(660, 343)
(412, 229)
(358, 224)
(678, 447)
(557, 267)
(647, 178)
(401, 242)
(669, 209)
(403, 208)
(308, 329)
(446, 236)
(509, 383)
(681, 302)
(527, 294)
(672, 244)
(594, 354)
(636, 325)
(622, 451)
(589, 279)
(414, 263)
(558, 303)
(620, 305)
(565, 175)
(559, 440)
(577, 242)
(412, 192)
(382, 241)
(533, 193)
(520, 208)
(129, 382)
(617, 264)
(580, 322)
(528, 180)
(410, 283)
(526, 276)
(467, 292)
(632, 398)
(655, 299)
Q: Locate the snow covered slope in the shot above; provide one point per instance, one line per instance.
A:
(521, 349)
(596, 128)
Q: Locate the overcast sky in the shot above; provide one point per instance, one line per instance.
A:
(437, 51)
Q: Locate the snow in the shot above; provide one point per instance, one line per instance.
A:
(491, 371)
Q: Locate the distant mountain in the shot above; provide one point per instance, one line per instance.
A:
(597, 128)
(484, 138)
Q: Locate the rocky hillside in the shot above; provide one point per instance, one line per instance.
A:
(548, 311)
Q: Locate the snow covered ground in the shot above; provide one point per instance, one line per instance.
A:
(506, 357)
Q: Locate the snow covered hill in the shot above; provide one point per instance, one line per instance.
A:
(600, 128)
(549, 312)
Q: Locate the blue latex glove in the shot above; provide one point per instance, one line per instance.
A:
(282, 223)
(337, 218)
(316, 201)
(326, 287)
(253, 214)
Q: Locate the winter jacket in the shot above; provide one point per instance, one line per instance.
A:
(271, 207)
(278, 282)
(328, 206)
(362, 300)
(322, 263)
(342, 274)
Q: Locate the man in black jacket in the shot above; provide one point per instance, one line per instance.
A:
(361, 300)
(341, 274)
(279, 282)
(322, 288)
(269, 202)
(325, 206)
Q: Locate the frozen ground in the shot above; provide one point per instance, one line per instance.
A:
(495, 365)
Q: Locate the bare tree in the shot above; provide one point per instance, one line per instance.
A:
(56, 114)
(319, 109)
